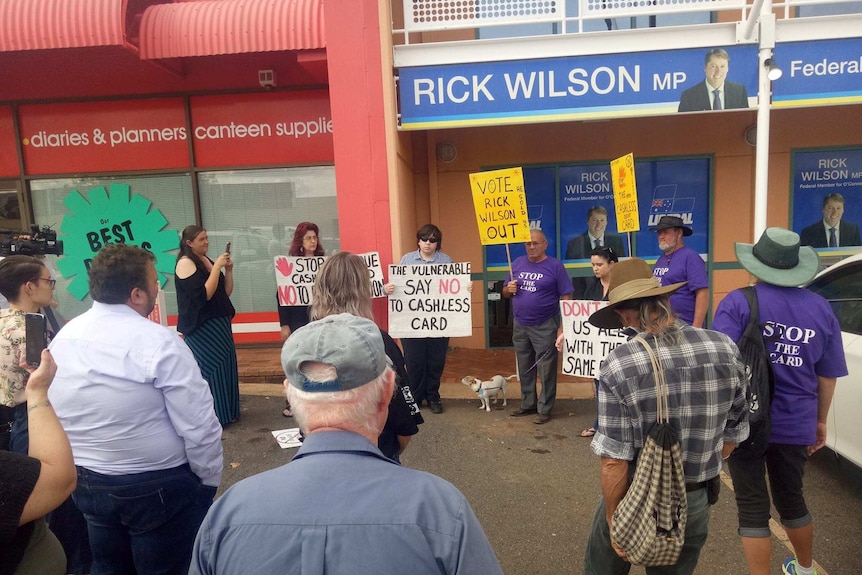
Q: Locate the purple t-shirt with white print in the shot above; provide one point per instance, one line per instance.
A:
(803, 338)
(540, 286)
(684, 264)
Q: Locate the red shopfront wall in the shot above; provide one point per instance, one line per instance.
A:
(262, 129)
(111, 136)
(8, 152)
(275, 128)
(235, 130)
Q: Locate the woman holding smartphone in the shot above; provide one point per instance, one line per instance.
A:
(27, 284)
(205, 312)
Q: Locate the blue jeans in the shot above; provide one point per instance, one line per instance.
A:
(601, 559)
(20, 438)
(143, 523)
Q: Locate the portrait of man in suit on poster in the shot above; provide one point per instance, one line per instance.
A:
(579, 247)
(715, 92)
(831, 231)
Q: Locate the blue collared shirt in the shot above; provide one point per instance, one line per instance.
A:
(415, 258)
(342, 508)
(131, 397)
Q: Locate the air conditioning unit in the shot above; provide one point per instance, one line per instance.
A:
(266, 78)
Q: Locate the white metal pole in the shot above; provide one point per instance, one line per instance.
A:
(764, 100)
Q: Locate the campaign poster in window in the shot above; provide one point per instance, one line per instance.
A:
(827, 200)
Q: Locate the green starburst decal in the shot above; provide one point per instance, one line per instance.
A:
(111, 216)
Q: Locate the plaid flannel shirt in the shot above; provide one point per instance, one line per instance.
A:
(706, 393)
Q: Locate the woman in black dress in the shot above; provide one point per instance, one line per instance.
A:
(205, 313)
(603, 259)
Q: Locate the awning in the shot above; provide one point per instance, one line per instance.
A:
(208, 28)
(50, 24)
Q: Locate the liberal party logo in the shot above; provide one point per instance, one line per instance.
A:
(666, 202)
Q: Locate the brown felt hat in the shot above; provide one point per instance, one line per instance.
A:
(630, 279)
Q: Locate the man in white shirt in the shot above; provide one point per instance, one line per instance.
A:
(140, 419)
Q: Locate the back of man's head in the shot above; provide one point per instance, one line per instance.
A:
(116, 270)
(338, 375)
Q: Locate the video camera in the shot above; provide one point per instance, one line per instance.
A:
(38, 241)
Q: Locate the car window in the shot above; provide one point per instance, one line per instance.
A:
(843, 290)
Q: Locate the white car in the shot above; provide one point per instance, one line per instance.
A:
(841, 285)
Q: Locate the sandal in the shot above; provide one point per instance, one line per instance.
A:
(589, 432)
(287, 412)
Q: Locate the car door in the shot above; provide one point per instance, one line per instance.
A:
(841, 285)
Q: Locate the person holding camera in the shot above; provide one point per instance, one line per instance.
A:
(205, 313)
(27, 284)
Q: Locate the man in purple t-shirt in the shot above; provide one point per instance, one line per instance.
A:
(539, 282)
(803, 339)
(680, 263)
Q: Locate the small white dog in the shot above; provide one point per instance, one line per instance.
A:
(488, 390)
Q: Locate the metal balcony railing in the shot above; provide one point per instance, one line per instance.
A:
(570, 16)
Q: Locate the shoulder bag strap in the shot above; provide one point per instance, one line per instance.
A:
(662, 406)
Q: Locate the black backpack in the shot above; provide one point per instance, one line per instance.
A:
(761, 383)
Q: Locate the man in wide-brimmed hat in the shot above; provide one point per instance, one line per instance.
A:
(803, 339)
(706, 392)
(679, 263)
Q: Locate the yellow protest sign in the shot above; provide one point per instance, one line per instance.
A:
(501, 206)
(625, 194)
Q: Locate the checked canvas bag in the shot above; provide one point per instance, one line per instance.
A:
(649, 523)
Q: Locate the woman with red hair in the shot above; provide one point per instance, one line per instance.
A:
(306, 243)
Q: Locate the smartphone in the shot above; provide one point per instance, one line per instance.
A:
(36, 338)
(227, 248)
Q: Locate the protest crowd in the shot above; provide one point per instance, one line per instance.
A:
(125, 416)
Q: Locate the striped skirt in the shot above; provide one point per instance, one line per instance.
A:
(213, 348)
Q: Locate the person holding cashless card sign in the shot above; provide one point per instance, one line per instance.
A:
(27, 284)
(205, 313)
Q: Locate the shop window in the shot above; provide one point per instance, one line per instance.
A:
(257, 211)
(170, 195)
(10, 207)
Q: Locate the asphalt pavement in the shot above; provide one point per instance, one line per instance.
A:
(535, 487)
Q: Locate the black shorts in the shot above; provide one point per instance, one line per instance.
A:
(785, 465)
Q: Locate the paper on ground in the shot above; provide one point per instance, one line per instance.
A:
(287, 438)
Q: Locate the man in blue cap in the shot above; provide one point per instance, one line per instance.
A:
(340, 506)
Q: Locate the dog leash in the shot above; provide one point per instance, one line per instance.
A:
(543, 356)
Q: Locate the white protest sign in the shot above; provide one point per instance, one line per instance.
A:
(430, 300)
(294, 277)
(375, 273)
(585, 345)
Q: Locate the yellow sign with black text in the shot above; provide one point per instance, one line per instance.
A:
(501, 206)
(625, 194)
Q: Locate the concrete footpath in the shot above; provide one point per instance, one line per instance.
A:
(535, 488)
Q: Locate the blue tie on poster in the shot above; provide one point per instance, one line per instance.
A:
(827, 192)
